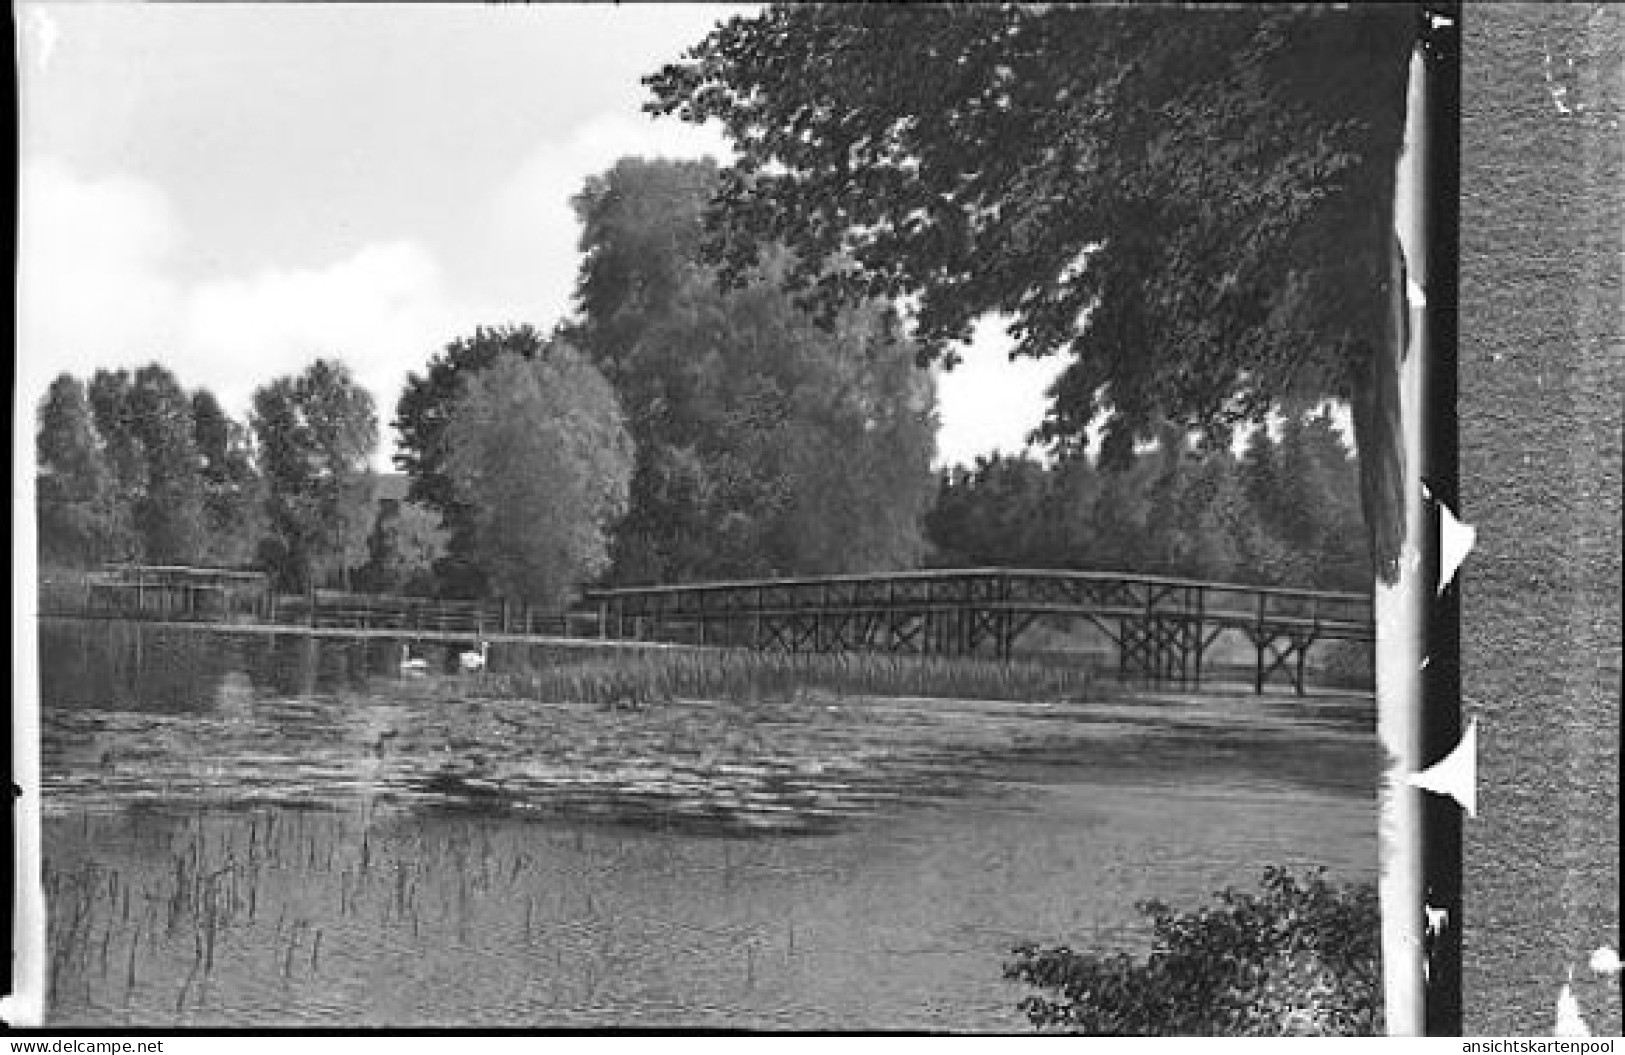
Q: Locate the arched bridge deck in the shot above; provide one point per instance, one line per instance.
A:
(1162, 627)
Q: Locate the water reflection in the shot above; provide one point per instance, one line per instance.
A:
(112, 664)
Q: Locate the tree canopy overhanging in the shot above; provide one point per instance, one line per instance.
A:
(1195, 204)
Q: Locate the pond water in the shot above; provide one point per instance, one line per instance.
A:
(249, 830)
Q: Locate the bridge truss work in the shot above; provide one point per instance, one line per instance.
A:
(1162, 628)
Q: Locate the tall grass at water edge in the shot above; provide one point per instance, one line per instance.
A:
(744, 676)
(285, 915)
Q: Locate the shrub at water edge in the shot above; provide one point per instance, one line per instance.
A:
(1299, 959)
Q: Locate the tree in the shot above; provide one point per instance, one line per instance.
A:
(1317, 513)
(1195, 205)
(174, 475)
(538, 450)
(990, 515)
(421, 420)
(406, 542)
(1277, 516)
(233, 496)
(148, 444)
(316, 435)
(170, 511)
(80, 519)
(766, 445)
(122, 451)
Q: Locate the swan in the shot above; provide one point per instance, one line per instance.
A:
(413, 666)
(474, 661)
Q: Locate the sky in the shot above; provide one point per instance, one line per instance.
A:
(236, 190)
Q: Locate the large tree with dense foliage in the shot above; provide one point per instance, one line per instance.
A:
(233, 497)
(114, 415)
(144, 422)
(1194, 204)
(316, 434)
(135, 468)
(766, 445)
(169, 513)
(422, 417)
(538, 450)
(81, 522)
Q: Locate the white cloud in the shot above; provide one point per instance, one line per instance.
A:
(100, 286)
(535, 228)
(97, 287)
(383, 311)
(93, 282)
(988, 402)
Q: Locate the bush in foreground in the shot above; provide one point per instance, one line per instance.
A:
(1299, 959)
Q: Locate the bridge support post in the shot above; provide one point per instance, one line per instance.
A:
(1200, 641)
(1260, 642)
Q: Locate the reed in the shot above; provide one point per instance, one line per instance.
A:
(152, 922)
(638, 680)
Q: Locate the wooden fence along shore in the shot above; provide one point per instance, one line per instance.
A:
(208, 595)
(1161, 628)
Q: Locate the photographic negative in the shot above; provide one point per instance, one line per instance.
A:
(809, 518)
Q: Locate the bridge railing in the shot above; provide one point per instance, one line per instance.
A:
(148, 593)
(357, 611)
(712, 611)
(1016, 588)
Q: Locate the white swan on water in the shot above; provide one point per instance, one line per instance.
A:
(413, 666)
(474, 661)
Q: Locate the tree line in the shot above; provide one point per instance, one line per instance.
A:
(670, 430)
(133, 467)
(736, 393)
(1284, 511)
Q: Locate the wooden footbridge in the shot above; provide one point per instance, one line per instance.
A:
(1162, 628)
